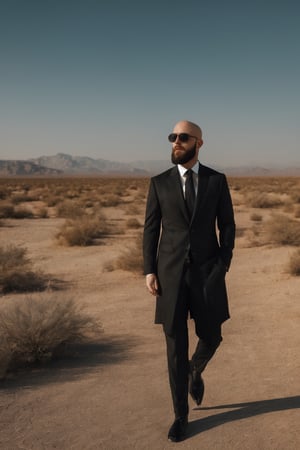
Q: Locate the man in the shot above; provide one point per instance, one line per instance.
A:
(185, 262)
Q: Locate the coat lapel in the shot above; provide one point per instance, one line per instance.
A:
(178, 192)
(202, 189)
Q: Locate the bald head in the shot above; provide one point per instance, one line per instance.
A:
(186, 141)
(185, 126)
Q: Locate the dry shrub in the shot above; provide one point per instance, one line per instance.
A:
(253, 237)
(239, 232)
(131, 259)
(43, 212)
(52, 201)
(140, 196)
(22, 213)
(82, 231)
(69, 209)
(295, 196)
(3, 193)
(6, 210)
(89, 204)
(294, 263)
(259, 184)
(110, 200)
(283, 231)
(9, 211)
(297, 212)
(12, 257)
(133, 223)
(256, 217)
(234, 187)
(72, 194)
(15, 271)
(27, 281)
(264, 200)
(33, 329)
(120, 191)
(20, 198)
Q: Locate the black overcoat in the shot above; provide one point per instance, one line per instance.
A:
(170, 239)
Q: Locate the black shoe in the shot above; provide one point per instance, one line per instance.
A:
(196, 386)
(177, 431)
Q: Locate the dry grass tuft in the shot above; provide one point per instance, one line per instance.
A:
(3, 193)
(133, 223)
(297, 212)
(27, 281)
(22, 213)
(52, 200)
(295, 195)
(264, 200)
(12, 257)
(43, 213)
(131, 258)
(282, 230)
(294, 263)
(82, 231)
(110, 200)
(7, 211)
(21, 198)
(15, 271)
(69, 209)
(256, 217)
(32, 330)
(239, 232)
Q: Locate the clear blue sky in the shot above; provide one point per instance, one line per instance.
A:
(109, 78)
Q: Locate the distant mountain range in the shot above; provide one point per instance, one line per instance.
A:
(83, 164)
(21, 168)
(64, 164)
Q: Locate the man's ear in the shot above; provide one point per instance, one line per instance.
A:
(200, 142)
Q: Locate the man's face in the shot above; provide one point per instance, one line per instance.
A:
(183, 152)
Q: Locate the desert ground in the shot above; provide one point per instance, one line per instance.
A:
(112, 393)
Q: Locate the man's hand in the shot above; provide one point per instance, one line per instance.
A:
(152, 283)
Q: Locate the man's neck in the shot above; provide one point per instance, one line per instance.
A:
(190, 164)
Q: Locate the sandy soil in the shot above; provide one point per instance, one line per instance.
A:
(115, 395)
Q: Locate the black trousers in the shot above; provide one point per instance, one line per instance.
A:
(209, 339)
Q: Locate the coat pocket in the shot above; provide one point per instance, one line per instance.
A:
(214, 285)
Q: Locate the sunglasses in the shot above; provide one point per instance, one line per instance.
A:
(183, 137)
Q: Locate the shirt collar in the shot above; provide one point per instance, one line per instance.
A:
(182, 170)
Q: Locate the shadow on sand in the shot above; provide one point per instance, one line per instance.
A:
(242, 411)
(74, 362)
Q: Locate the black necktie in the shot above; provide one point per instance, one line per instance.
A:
(189, 192)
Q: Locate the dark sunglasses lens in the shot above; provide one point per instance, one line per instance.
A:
(172, 137)
(184, 137)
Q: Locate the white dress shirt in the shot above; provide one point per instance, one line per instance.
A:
(182, 173)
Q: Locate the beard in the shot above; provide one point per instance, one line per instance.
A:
(185, 157)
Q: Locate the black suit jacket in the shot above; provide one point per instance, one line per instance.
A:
(171, 239)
